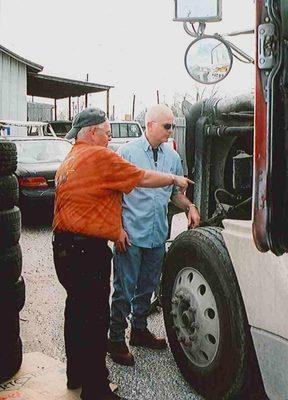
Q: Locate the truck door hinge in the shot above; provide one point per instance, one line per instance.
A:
(266, 46)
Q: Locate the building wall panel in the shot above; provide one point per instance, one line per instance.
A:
(13, 90)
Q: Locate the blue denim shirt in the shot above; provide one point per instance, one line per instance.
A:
(144, 213)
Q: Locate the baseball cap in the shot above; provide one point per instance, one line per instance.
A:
(89, 116)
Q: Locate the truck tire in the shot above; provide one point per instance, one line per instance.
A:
(10, 264)
(204, 314)
(10, 227)
(13, 297)
(10, 331)
(9, 192)
(8, 157)
(10, 361)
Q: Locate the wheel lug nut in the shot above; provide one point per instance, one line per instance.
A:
(180, 295)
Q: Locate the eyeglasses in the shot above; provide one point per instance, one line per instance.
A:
(166, 126)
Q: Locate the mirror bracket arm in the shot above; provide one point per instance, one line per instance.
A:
(195, 33)
(240, 52)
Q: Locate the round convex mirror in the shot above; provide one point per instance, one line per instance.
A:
(208, 60)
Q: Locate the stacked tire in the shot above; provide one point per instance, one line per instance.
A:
(12, 287)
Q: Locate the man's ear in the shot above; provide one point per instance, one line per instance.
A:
(149, 124)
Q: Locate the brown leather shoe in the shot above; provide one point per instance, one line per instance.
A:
(120, 353)
(147, 339)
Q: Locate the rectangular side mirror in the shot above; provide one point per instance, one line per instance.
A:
(198, 11)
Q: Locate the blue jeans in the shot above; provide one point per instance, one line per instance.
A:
(136, 275)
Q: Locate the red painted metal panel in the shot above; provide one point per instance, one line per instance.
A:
(260, 212)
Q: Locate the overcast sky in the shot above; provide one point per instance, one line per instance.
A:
(131, 44)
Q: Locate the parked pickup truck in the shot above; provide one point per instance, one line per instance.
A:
(125, 131)
(25, 128)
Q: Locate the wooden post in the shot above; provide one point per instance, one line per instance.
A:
(157, 96)
(69, 104)
(133, 107)
(86, 94)
(55, 109)
(107, 103)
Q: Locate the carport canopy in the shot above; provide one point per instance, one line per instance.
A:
(53, 87)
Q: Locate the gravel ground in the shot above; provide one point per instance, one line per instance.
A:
(155, 375)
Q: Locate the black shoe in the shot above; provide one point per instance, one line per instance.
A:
(111, 396)
(105, 396)
(146, 338)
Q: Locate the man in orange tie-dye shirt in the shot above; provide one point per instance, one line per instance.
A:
(89, 187)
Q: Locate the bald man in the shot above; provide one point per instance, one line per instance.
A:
(139, 252)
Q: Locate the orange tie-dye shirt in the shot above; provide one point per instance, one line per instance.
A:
(89, 187)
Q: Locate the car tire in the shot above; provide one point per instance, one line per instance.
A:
(8, 157)
(9, 192)
(200, 292)
(13, 297)
(10, 227)
(10, 264)
(10, 361)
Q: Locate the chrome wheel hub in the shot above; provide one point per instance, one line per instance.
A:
(195, 317)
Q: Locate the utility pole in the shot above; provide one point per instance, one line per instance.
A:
(86, 94)
(158, 97)
(1, 18)
(133, 107)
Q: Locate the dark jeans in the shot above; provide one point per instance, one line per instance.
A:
(83, 267)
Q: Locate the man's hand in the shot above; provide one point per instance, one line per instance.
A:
(182, 182)
(193, 217)
(122, 242)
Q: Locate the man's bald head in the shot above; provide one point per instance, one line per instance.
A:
(159, 120)
(157, 113)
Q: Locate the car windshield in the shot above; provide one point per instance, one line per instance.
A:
(38, 151)
(61, 128)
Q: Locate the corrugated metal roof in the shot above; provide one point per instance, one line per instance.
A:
(54, 87)
(32, 67)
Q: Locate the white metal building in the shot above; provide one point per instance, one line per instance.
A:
(13, 84)
(20, 77)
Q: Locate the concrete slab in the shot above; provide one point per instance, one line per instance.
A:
(40, 378)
